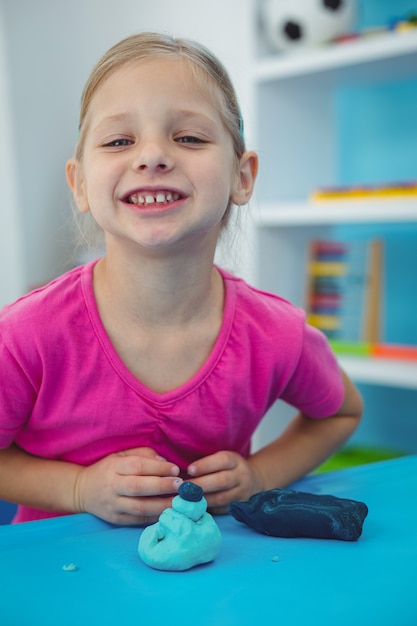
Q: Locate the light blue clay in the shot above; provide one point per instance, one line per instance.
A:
(185, 536)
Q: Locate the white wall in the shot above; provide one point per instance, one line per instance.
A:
(51, 48)
(11, 269)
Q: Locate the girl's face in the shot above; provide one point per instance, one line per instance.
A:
(158, 167)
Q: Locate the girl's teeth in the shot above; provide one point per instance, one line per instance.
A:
(160, 197)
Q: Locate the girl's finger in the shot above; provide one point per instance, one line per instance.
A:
(142, 466)
(139, 486)
(217, 462)
(136, 511)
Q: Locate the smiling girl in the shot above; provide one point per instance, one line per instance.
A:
(151, 365)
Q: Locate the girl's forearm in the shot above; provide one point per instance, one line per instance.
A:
(308, 442)
(303, 446)
(35, 482)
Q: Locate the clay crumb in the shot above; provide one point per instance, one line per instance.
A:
(71, 567)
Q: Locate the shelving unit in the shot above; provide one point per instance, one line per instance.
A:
(296, 139)
(384, 55)
(341, 212)
(386, 372)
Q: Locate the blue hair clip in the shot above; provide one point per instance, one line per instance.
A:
(241, 129)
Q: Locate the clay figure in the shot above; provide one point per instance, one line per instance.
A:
(184, 536)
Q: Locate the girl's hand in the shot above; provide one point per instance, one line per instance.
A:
(129, 487)
(225, 477)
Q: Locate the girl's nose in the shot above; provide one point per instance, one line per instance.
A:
(152, 156)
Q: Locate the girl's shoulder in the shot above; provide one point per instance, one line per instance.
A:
(260, 304)
(48, 304)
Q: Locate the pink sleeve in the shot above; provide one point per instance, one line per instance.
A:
(17, 396)
(316, 386)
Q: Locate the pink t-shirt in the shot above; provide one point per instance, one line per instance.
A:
(66, 394)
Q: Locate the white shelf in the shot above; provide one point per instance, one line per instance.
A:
(340, 212)
(386, 372)
(367, 58)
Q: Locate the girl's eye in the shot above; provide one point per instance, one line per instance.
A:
(118, 143)
(190, 139)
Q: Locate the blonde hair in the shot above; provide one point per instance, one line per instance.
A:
(148, 45)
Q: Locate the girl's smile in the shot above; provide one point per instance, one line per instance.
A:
(153, 198)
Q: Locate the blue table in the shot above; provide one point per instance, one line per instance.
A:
(315, 582)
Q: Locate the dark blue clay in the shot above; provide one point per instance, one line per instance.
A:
(286, 513)
(191, 492)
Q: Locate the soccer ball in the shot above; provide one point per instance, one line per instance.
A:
(294, 24)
